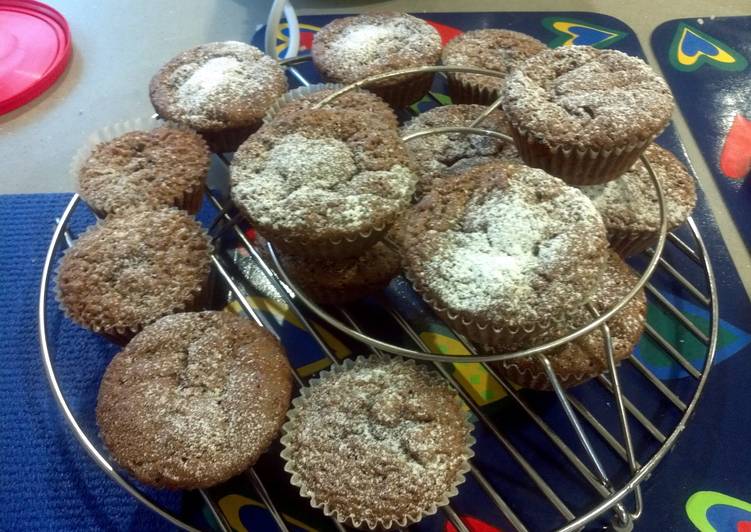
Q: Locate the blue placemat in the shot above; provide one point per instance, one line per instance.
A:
(47, 482)
(706, 63)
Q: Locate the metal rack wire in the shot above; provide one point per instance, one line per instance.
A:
(578, 454)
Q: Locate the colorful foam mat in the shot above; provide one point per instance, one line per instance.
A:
(706, 63)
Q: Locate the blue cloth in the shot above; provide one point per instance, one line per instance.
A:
(47, 482)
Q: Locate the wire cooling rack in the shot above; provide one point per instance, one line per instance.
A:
(578, 442)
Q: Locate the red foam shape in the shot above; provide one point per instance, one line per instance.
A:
(475, 525)
(744, 526)
(306, 39)
(446, 32)
(735, 157)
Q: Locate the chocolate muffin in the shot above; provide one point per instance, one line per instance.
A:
(355, 100)
(504, 252)
(340, 281)
(349, 49)
(378, 442)
(436, 155)
(133, 268)
(163, 167)
(322, 182)
(492, 49)
(629, 205)
(585, 357)
(220, 89)
(584, 114)
(194, 399)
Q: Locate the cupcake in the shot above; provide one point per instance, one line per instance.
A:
(161, 167)
(491, 49)
(585, 357)
(133, 268)
(584, 114)
(220, 89)
(629, 205)
(504, 252)
(194, 399)
(349, 49)
(377, 443)
(436, 155)
(340, 281)
(322, 183)
(355, 100)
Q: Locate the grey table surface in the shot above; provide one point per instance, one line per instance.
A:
(117, 46)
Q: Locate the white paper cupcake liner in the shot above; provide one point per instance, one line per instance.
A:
(121, 334)
(330, 510)
(188, 200)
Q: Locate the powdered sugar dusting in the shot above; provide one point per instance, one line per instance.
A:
(436, 154)
(120, 274)
(215, 75)
(217, 84)
(364, 43)
(517, 252)
(493, 49)
(581, 94)
(381, 441)
(193, 399)
(302, 182)
(630, 202)
(356, 47)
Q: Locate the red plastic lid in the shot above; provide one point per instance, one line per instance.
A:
(34, 50)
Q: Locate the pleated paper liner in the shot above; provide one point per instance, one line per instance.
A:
(197, 299)
(488, 333)
(522, 373)
(308, 246)
(189, 200)
(577, 165)
(331, 510)
(229, 139)
(630, 243)
(404, 92)
(463, 92)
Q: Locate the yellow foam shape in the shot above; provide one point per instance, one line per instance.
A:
(475, 379)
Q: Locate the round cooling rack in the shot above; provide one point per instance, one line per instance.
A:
(636, 459)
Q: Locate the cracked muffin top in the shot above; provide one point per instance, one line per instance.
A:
(438, 155)
(156, 168)
(505, 244)
(493, 49)
(194, 399)
(379, 442)
(217, 85)
(349, 49)
(133, 268)
(354, 100)
(630, 204)
(581, 95)
(322, 175)
(585, 357)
